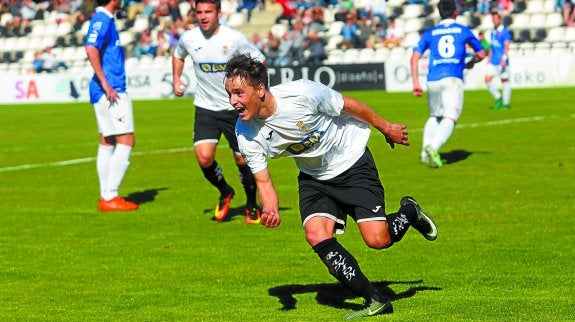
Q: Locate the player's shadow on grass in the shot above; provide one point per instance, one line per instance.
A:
(336, 294)
(234, 212)
(141, 197)
(455, 156)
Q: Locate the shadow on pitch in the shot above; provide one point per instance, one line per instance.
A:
(455, 156)
(336, 294)
(141, 197)
(234, 212)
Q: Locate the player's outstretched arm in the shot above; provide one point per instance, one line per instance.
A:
(394, 133)
(268, 196)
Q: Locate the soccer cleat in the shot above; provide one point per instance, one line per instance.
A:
(373, 307)
(434, 157)
(498, 105)
(423, 222)
(425, 160)
(223, 207)
(253, 215)
(116, 204)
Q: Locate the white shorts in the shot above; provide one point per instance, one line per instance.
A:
(445, 97)
(115, 119)
(496, 70)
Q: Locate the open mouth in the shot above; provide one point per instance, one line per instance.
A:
(241, 110)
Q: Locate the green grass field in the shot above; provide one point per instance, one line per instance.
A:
(504, 204)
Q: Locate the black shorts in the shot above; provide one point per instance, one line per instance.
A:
(357, 192)
(209, 126)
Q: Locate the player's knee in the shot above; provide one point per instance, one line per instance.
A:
(314, 238)
(378, 241)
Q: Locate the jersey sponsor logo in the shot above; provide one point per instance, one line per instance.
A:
(213, 67)
(306, 144)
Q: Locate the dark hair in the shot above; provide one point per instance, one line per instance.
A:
(218, 3)
(446, 8)
(102, 3)
(247, 68)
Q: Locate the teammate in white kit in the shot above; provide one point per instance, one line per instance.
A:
(210, 46)
(447, 43)
(112, 105)
(326, 134)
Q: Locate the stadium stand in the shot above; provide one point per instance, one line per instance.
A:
(537, 27)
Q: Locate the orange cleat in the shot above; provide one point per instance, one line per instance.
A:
(117, 204)
(253, 215)
(223, 207)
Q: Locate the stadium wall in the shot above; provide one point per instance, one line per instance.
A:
(392, 76)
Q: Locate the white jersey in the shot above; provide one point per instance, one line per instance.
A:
(210, 56)
(308, 126)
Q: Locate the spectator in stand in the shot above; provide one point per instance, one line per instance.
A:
(190, 20)
(393, 35)
(316, 49)
(483, 7)
(28, 11)
(464, 6)
(63, 10)
(174, 34)
(135, 7)
(284, 51)
(377, 36)
(349, 32)
(364, 31)
(569, 13)
(37, 63)
(259, 42)
(272, 51)
(144, 45)
(306, 4)
(162, 11)
(248, 6)
(83, 14)
(289, 10)
(50, 62)
(297, 37)
(376, 10)
(174, 12)
(484, 42)
(559, 4)
(162, 43)
(504, 7)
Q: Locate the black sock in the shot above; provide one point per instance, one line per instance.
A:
(249, 183)
(215, 176)
(398, 223)
(343, 266)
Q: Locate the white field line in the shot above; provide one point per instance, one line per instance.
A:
(188, 149)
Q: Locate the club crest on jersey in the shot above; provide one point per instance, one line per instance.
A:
(306, 144)
(225, 50)
(303, 128)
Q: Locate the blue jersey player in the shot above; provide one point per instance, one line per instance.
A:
(447, 43)
(499, 63)
(112, 105)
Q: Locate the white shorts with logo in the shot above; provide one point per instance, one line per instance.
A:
(115, 119)
(496, 70)
(445, 97)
